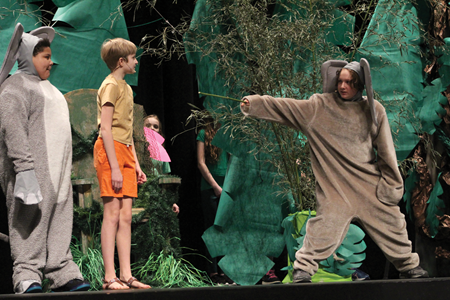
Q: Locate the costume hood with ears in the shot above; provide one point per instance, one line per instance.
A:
(362, 68)
(21, 48)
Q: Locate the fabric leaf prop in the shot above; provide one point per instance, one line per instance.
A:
(410, 183)
(291, 224)
(155, 147)
(348, 256)
(434, 208)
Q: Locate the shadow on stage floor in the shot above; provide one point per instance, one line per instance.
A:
(423, 289)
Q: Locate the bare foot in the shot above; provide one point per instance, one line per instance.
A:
(135, 284)
(114, 284)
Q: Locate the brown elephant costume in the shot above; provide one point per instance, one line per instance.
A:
(353, 181)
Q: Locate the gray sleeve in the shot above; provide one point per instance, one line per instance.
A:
(290, 112)
(14, 118)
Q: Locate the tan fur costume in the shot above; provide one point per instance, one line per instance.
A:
(352, 181)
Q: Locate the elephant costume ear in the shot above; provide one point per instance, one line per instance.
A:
(328, 71)
(11, 53)
(369, 90)
(44, 32)
(29, 42)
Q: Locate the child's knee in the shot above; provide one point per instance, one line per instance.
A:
(111, 216)
(125, 217)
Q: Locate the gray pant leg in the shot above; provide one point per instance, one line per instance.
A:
(324, 234)
(386, 225)
(27, 236)
(60, 267)
(40, 240)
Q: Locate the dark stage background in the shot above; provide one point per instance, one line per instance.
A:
(167, 90)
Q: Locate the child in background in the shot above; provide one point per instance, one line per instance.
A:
(212, 163)
(115, 160)
(152, 122)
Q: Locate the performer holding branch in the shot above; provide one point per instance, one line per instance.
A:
(353, 181)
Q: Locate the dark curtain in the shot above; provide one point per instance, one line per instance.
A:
(166, 91)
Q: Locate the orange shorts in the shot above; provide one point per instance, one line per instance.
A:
(127, 166)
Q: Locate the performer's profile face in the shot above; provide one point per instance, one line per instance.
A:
(345, 85)
(130, 64)
(43, 63)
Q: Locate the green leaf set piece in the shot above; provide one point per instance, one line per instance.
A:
(338, 267)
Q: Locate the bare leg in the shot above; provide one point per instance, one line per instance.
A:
(124, 242)
(111, 215)
(124, 238)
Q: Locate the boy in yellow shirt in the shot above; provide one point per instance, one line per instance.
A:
(115, 160)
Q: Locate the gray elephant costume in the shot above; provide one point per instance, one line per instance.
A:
(353, 182)
(36, 161)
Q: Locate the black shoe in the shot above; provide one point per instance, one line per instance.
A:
(34, 288)
(300, 276)
(417, 272)
(359, 275)
(74, 285)
(228, 280)
(218, 279)
(270, 278)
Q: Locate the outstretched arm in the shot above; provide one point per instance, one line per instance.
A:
(290, 112)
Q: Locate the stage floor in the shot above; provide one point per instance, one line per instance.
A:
(411, 289)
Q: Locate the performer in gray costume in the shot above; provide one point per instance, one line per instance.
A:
(36, 161)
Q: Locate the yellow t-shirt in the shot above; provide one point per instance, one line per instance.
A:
(120, 95)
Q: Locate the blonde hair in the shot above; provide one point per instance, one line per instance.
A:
(113, 49)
